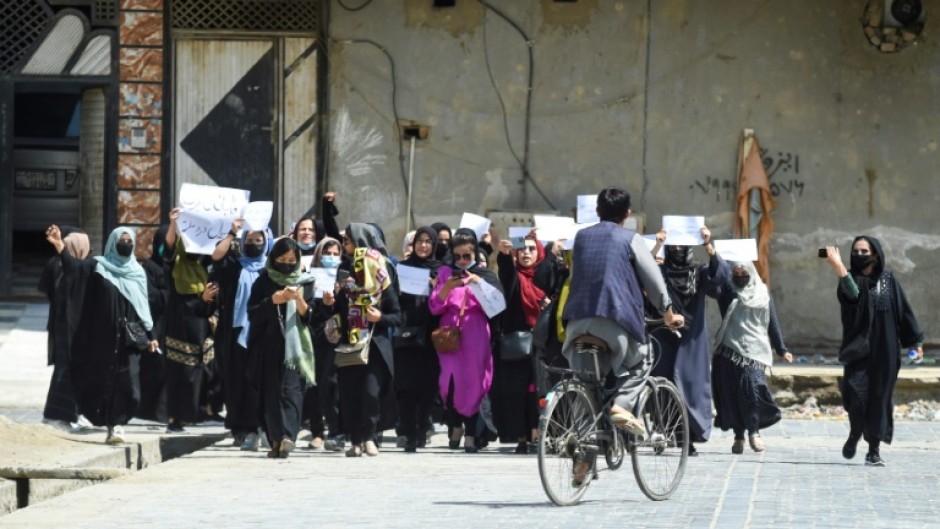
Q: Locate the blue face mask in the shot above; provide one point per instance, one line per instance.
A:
(330, 261)
(467, 266)
(306, 246)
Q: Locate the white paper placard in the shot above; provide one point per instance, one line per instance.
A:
(552, 228)
(325, 280)
(737, 249)
(650, 241)
(414, 280)
(479, 225)
(573, 234)
(519, 231)
(630, 223)
(206, 215)
(489, 297)
(587, 209)
(257, 215)
(306, 262)
(683, 231)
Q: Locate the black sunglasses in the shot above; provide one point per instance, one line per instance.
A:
(463, 256)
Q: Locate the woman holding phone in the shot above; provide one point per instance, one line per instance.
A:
(466, 373)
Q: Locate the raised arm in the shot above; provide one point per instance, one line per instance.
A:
(221, 249)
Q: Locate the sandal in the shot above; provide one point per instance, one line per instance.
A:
(354, 451)
(275, 450)
(287, 446)
(757, 444)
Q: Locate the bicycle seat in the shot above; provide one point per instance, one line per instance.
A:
(588, 339)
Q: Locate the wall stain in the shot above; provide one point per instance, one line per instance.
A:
(871, 176)
(464, 18)
(569, 15)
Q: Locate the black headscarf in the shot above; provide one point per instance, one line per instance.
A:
(158, 245)
(430, 262)
(880, 297)
(442, 251)
(366, 236)
(681, 275)
(485, 273)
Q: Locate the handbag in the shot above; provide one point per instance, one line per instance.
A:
(409, 336)
(355, 354)
(446, 339)
(135, 336)
(515, 346)
(333, 329)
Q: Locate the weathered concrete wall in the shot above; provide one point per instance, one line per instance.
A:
(654, 101)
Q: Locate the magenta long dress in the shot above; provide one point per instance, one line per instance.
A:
(471, 366)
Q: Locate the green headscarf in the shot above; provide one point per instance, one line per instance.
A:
(298, 345)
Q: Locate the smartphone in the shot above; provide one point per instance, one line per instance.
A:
(823, 254)
(517, 242)
(342, 276)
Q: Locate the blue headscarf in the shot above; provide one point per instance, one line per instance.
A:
(251, 266)
(126, 274)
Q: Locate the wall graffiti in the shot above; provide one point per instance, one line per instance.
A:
(785, 166)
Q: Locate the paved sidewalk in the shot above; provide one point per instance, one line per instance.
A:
(801, 481)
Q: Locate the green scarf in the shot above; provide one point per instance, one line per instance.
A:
(189, 276)
(298, 346)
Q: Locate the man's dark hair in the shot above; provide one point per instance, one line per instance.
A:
(613, 204)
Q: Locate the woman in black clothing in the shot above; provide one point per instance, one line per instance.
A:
(308, 231)
(527, 279)
(321, 401)
(153, 367)
(104, 366)
(189, 342)
(227, 292)
(876, 319)
(368, 305)
(444, 233)
(279, 342)
(416, 363)
(66, 296)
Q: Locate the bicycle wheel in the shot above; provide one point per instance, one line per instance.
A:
(566, 466)
(616, 450)
(659, 459)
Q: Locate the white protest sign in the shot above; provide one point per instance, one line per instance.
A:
(257, 215)
(206, 215)
(414, 280)
(683, 231)
(552, 228)
(587, 209)
(519, 231)
(737, 249)
(489, 297)
(306, 262)
(650, 241)
(630, 223)
(479, 225)
(325, 280)
(573, 234)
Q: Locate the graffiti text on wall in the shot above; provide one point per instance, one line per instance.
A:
(785, 166)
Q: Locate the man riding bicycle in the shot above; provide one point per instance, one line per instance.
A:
(611, 269)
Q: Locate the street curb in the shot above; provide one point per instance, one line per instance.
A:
(794, 384)
(133, 456)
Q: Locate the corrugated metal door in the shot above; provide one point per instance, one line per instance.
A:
(225, 106)
(300, 131)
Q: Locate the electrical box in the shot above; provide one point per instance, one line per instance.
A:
(139, 138)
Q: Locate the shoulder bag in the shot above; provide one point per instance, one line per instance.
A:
(135, 336)
(446, 339)
(409, 336)
(356, 354)
(515, 346)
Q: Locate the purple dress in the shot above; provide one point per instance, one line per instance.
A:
(470, 366)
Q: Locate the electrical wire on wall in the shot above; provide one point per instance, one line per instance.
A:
(398, 128)
(524, 161)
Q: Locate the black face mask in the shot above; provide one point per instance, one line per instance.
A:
(124, 249)
(861, 262)
(678, 255)
(254, 249)
(441, 251)
(284, 268)
(741, 281)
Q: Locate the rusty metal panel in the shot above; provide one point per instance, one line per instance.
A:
(300, 131)
(58, 46)
(209, 78)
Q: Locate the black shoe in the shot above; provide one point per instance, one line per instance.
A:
(874, 460)
(692, 451)
(471, 449)
(174, 427)
(848, 449)
(411, 445)
(522, 448)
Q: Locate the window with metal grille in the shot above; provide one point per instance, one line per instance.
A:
(104, 13)
(22, 22)
(255, 15)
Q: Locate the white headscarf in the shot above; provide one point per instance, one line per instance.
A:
(744, 329)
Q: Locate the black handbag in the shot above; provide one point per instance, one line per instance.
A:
(515, 346)
(135, 336)
(409, 336)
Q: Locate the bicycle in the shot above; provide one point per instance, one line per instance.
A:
(573, 431)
